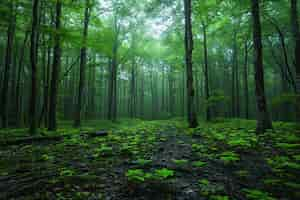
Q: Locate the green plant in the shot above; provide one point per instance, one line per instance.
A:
(104, 150)
(199, 164)
(136, 175)
(218, 197)
(272, 182)
(280, 162)
(228, 157)
(180, 162)
(288, 146)
(66, 172)
(239, 142)
(253, 194)
(143, 162)
(162, 174)
(207, 188)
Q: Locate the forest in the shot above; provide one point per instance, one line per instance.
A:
(149, 99)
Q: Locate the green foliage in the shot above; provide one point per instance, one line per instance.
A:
(199, 148)
(288, 146)
(216, 99)
(282, 162)
(138, 175)
(180, 162)
(143, 162)
(66, 172)
(104, 150)
(209, 189)
(46, 157)
(163, 174)
(253, 194)
(229, 157)
(218, 197)
(199, 164)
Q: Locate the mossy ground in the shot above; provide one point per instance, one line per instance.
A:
(221, 160)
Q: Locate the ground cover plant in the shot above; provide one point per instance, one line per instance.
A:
(133, 162)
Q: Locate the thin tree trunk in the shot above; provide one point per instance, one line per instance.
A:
(18, 85)
(110, 90)
(52, 124)
(296, 34)
(206, 74)
(83, 50)
(142, 91)
(7, 66)
(192, 117)
(263, 117)
(163, 90)
(246, 88)
(33, 60)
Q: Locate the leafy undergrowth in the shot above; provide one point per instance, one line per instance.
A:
(154, 160)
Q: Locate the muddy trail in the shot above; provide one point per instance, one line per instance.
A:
(78, 169)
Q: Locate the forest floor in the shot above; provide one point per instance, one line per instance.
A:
(157, 160)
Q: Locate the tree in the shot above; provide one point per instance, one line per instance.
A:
(8, 61)
(55, 69)
(82, 64)
(245, 73)
(33, 60)
(296, 35)
(206, 73)
(263, 117)
(192, 117)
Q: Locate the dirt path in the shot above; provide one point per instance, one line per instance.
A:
(66, 170)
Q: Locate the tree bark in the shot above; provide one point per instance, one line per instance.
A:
(263, 117)
(7, 66)
(33, 60)
(192, 117)
(52, 124)
(246, 88)
(296, 34)
(206, 73)
(83, 50)
(19, 77)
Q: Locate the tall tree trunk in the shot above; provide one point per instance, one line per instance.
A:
(110, 90)
(132, 90)
(55, 70)
(19, 77)
(192, 117)
(263, 117)
(83, 50)
(33, 60)
(7, 66)
(142, 93)
(234, 76)
(163, 89)
(171, 91)
(206, 74)
(296, 34)
(237, 80)
(46, 89)
(246, 88)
